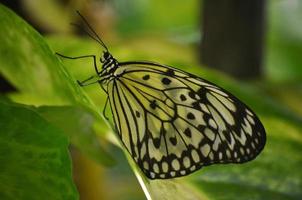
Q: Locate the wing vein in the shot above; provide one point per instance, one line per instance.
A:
(127, 122)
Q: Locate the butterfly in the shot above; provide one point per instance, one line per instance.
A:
(172, 122)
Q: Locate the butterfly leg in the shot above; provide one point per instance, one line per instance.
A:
(111, 123)
(104, 109)
(89, 81)
(79, 57)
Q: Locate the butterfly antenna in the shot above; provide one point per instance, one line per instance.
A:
(80, 27)
(100, 41)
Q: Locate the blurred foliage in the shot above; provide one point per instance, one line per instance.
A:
(34, 157)
(156, 15)
(77, 124)
(41, 79)
(284, 41)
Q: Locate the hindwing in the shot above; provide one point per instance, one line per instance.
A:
(173, 123)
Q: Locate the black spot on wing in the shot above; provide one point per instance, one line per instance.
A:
(137, 114)
(173, 140)
(146, 77)
(192, 94)
(190, 116)
(156, 142)
(196, 105)
(170, 72)
(153, 104)
(166, 81)
(183, 97)
(187, 132)
(200, 127)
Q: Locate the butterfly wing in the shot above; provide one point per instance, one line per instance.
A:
(173, 122)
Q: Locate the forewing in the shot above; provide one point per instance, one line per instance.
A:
(173, 122)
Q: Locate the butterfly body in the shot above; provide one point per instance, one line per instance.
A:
(109, 66)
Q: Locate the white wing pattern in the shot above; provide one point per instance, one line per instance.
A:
(173, 123)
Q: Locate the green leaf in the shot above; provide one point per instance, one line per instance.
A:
(34, 157)
(77, 123)
(284, 43)
(30, 65)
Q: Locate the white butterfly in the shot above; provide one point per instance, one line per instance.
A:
(173, 122)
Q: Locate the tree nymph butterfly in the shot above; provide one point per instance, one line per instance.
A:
(173, 122)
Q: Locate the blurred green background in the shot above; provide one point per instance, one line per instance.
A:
(39, 95)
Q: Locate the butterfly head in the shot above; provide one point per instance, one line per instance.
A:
(106, 56)
(109, 65)
(108, 60)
